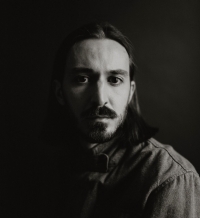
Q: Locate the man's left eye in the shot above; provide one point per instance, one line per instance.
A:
(82, 79)
(114, 80)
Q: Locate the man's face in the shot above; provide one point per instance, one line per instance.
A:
(97, 74)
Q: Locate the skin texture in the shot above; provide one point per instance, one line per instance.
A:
(97, 72)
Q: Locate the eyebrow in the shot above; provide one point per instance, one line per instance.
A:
(82, 70)
(89, 70)
(119, 72)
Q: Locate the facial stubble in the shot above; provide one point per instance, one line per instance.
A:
(96, 132)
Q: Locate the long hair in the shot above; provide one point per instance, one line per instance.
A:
(135, 128)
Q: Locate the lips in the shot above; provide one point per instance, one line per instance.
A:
(99, 117)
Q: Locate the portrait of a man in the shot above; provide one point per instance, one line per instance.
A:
(95, 104)
(109, 163)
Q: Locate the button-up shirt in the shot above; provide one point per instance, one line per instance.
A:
(148, 180)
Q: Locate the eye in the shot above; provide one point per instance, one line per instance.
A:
(115, 80)
(82, 79)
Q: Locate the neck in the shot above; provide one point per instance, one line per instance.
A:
(86, 144)
(96, 148)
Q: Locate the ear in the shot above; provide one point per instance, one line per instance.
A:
(132, 90)
(58, 92)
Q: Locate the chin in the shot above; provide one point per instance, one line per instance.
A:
(99, 137)
(100, 133)
(97, 132)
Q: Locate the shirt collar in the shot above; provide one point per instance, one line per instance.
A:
(104, 157)
(101, 158)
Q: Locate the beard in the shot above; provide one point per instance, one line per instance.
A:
(97, 132)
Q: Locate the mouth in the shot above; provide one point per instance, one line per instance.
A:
(98, 117)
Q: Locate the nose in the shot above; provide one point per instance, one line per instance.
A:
(99, 94)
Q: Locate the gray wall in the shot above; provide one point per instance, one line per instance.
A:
(165, 35)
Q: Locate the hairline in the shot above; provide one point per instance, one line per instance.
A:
(93, 38)
(104, 37)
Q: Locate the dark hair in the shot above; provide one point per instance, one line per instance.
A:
(135, 128)
(90, 31)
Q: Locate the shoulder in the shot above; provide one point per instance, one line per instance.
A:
(167, 162)
(169, 156)
(160, 163)
(176, 181)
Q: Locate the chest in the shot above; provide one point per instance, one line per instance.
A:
(96, 198)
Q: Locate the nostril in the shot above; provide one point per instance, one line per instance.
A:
(101, 109)
(103, 104)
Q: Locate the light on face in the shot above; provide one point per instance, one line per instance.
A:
(97, 71)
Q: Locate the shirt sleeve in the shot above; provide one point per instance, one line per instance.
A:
(178, 197)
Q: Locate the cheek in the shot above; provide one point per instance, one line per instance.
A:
(119, 103)
(71, 93)
(75, 98)
(121, 94)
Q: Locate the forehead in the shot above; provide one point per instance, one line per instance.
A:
(98, 54)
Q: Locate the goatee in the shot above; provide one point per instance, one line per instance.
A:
(97, 131)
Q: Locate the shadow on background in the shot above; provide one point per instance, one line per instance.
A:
(165, 35)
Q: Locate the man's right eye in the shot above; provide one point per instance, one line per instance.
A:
(82, 79)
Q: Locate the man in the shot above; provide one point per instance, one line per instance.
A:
(102, 160)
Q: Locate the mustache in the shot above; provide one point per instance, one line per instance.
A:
(99, 112)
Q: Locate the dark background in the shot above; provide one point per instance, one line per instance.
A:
(165, 35)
